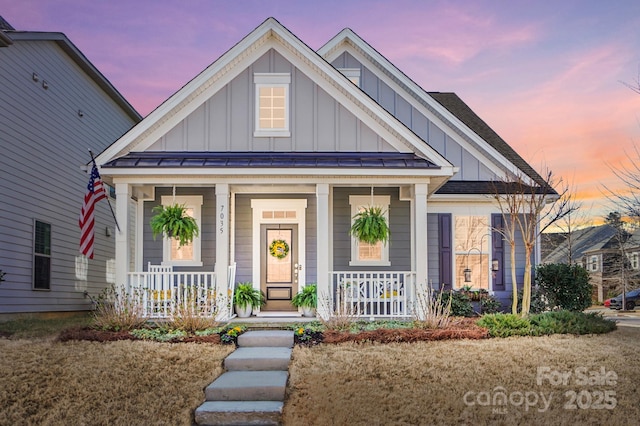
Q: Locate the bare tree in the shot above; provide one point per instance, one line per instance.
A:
(574, 220)
(530, 207)
(635, 86)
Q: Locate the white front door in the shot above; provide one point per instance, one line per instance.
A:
(278, 250)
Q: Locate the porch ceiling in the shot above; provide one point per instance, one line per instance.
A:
(369, 160)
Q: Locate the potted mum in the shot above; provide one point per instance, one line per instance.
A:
(174, 222)
(245, 298)
(370, 226)
(307, 299)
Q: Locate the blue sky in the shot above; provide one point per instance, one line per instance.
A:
(546, 75)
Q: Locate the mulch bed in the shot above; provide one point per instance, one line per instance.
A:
(91, 334)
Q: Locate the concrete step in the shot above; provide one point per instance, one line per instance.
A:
(266, 338)
(239, 413)
(248, 386)
(258, 359)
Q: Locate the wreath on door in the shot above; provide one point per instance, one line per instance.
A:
(279, 249)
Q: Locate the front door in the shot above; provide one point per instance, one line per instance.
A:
(279, 265)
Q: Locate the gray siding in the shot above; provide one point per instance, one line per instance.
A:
(43, 143)
(399, 224)
(397, 104)
(225, 122)
(153, 248)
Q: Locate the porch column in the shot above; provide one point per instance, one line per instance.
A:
(322, 247)
(222, 238)
(420, 234)
(123, 195)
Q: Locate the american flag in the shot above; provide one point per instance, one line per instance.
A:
(95, 193)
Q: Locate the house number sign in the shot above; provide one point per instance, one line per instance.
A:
(221, 218)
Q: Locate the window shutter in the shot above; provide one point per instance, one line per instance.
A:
(444, 243)
(497, 251)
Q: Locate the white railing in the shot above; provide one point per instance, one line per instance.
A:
(373, 294)
(162, 293)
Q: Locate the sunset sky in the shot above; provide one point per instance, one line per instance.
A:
(546, 75)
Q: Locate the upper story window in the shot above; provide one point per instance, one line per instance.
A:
(593, 264)
(352, 74)
(364, 253)
(188, 254)
(272, 104)
(471, 242)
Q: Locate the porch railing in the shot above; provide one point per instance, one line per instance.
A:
(161, 294)
(373, 294)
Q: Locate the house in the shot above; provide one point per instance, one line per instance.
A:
(599, 250)
(275, 142)
(55, 106)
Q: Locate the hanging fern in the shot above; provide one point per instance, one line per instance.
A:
(370, 226)
(174, 222)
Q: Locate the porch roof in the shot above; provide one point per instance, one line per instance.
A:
(173, 159)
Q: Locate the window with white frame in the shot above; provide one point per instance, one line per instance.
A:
(471, 245)
(593, 263)
(364, 253)
(188, 254)
(353, 74)
(272, 104)
(633, 260)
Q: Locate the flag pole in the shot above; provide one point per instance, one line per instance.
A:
(93, 160)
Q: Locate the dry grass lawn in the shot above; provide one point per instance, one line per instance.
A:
(425, 383)
(43, 382)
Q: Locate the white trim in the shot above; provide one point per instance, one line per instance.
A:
(352, 73)
(299, 205)
(357, 201)
(190, 201)
(274, 80)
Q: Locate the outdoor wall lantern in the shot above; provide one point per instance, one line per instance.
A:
(495, 267)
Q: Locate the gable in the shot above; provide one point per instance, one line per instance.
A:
(215, 108)
(319, 122)
(442, 119)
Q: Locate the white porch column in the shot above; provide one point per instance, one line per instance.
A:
(123, 195)
(222, 238)
(322, 247)
(420, 233)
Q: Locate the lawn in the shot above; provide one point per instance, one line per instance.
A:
(440, 382)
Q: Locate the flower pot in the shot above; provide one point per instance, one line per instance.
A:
(308, 311)
(244, 312)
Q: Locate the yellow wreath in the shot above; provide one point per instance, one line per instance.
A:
(279, 249)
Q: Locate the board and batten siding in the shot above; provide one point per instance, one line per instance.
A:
(225, 122)
(399, 225)
(43, 143)
(397, 105)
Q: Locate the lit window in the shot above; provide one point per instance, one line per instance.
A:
(188, 254)
(364, 253)
(353, 74)
(471, 243)
(42, 256)
(272, 104)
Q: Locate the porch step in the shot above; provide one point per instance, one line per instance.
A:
(252, 390)
(258, 359)
(266, 338)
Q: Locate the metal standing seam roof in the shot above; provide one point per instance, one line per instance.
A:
(173, 159)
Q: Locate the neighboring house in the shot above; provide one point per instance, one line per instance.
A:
(598, 250)
(274, 141)
(54, 107)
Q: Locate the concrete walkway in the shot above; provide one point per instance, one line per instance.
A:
(252, 390)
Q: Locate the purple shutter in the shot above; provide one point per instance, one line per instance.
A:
(444, 243)
(497, 252)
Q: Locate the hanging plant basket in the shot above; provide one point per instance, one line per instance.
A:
(279, 249)
(370, 226)
(174, 222)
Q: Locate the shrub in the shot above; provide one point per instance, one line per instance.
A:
(159, 334)
(490, 305)
(565, 286)
(430, 311)
(538, 301)
(196, 311)
(460, 303)
(505, 325)
(118, 311)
